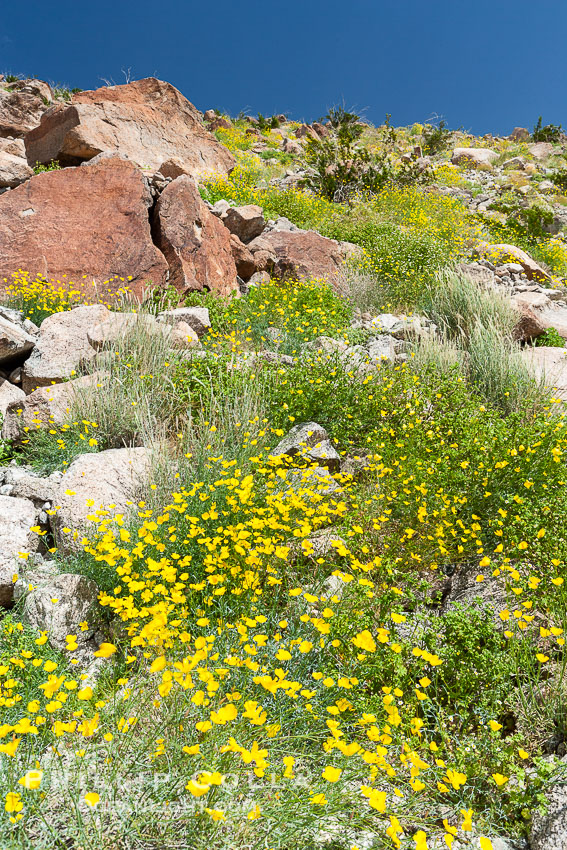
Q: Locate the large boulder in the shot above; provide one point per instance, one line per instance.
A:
(13, 170)
(548, 364)
(148, 120)
(538, 313)
(194, 242)
(110, 480)
(62, 346)
(243, 259)
(196, 317)
(541, 150)
(118, 325)
(298, 253)
(21, 107)
(17, 516)
(473, 156)
(503, 253)
(78, 221)
(46, 407)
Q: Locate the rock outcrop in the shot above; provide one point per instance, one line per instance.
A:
(80, 220)
(194, 242)
(148, 121)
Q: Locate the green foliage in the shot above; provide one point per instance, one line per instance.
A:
(299, 310)
(337, 167)
(523, 222)
(475, 652)
(436, 137)
(551, 337)
(547, 132)
(55, 449)
(559, 177)
(457, 305)
(40, 168)
(265, 123)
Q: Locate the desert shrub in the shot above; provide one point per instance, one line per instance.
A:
(300, 310)
(559, 177)
(525, 223)
(268, 123)
(547, 132)
(338, 168)
(54, 449)
(408, 236)
(436, 137)
(40, 168)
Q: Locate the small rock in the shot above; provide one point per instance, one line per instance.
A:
(246, 222)
(311, 442)
(196, 317)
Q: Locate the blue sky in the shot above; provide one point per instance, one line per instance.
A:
(488, 65)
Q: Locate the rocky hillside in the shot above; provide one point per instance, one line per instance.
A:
(282, 481)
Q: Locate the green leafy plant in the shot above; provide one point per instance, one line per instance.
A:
(41, 168)
(337, 167)
(268, 123)
(436, 137)
(551, 337)
(546, 132)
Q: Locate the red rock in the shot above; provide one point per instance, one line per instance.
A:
(301, 253)
(245, 265)
(219, 124)
(148, 121)
(194, 242)
(306, 131)
(539, 313)
(81, 221)
(21, 109)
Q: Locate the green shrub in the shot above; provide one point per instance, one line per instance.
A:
(436, 137)
(40, 168)
(337, 167)
(551, 337)
(547, 132)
